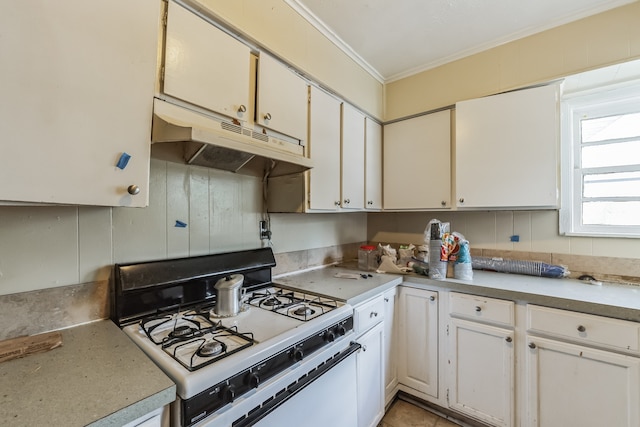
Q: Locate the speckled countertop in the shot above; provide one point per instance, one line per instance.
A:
(98, 377)
(612, 300)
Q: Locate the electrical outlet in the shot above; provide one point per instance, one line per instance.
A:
(265, 233)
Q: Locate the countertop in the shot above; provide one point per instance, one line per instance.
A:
(611, 300)
(98, 377)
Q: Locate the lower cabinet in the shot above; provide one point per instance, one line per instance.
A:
(370, 377)
(390, 344)
(570, 382)
(417, 355)
(481, 358)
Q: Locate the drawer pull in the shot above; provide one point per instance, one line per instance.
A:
(508, 339)
(532, 345)
(386, 300)
(373, 314)
(432, 298)
(581, 328)
(478, 308)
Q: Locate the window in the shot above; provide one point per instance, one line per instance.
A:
(601, 163)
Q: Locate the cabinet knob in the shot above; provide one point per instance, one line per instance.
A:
(133, 189)
(364, 348)
(532, 345)
(373, 314)
(369, 202)
(242, 109)
(432, 298)
(337, 203)
(508, 339)
(581, 328)
(267, 116)
(347, 201)
(461, 199)
(443, 203)
(478, 308)
(386, 300)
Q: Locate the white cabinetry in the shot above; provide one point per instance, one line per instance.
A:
(369, 327)
(77, 91)
(481, 358)
(390, 344)
(417, 355)
(583, 370)
(507, 150)
(205, 66)
(352, 167)
(373, 165)
(282, 98)
(418, 150)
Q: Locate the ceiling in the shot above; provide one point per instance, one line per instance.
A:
(396, 38)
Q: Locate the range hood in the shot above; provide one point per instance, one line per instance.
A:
(185, 135)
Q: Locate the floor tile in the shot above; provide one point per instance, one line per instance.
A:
(405, 414)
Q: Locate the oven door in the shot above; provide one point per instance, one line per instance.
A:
(329, 400)
(319, 391)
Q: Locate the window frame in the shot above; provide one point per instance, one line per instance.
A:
(599, 102)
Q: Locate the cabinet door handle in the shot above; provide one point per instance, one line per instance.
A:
(242, 109)
(347, 201)
(267, 116)
(508, 339)
(337, 203)
(478, 308)
(386, 300)
(532, 345)
(432, 298)
(461, 199)
(373, 314)
(581, 328)
(443, 203)
(364, 348)
(133, 189)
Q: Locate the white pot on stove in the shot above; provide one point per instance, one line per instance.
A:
(229, 298)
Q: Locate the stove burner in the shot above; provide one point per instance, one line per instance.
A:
(271, 301)
(181, 331)
(304, 311)
(212, 348)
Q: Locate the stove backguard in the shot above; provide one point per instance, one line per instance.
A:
(148, 288)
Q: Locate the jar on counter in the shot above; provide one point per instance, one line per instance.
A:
(368, 258)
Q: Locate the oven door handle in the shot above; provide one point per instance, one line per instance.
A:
(297, 387)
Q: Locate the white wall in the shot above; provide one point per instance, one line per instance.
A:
(43, 247)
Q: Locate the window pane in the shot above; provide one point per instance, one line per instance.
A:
(621, 184)
(617, 154)
(613, 127)
(611, 213)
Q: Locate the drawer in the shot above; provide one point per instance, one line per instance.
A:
(368, 314)
(584, 328)
(481, 309)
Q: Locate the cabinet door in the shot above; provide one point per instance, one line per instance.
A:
(77, 91)
(205, 66)
(572, 385)
(352, 158)
(481, 361)
(324, 146)
(417, 163)
(370, 377)
(373, 165)
(282, 99)
(507, 150)
(417, 355)
(390, 344)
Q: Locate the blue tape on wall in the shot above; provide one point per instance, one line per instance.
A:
(180, 224)
(515, 238)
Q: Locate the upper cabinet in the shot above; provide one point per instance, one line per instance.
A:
(373, 165)
(77, 92)
(422, 147)
(282, 99)
(205, 66)
(352, 158)
(507, 150)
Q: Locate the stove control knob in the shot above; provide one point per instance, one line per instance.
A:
(297, 354)
(252, 379)
(329, 336)
(228, 393)
(341, 330)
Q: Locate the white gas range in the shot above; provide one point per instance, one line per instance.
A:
(245, 369)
